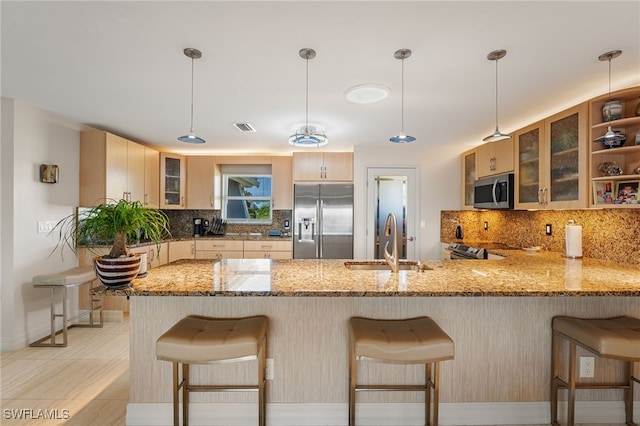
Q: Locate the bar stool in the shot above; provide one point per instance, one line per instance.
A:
(614, 338)
(405, 341)
(203, 340)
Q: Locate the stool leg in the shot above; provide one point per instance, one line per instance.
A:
(52, 301)
(262, 365)
(352, 385)
(555, 360)
(427, 394)
(185, 394)
(571, 399)
(176, 415)
(436, 392)
(628, 393)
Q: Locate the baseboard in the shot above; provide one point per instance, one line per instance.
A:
(368, 414)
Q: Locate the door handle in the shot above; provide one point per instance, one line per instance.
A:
(410, 239)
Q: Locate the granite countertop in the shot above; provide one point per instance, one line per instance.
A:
(520, 273)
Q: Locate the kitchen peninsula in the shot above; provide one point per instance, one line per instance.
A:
(498, 312)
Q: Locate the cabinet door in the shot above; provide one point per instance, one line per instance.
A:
(172, 181)
(495, 158)
(158, 258)
(566, 171)
(135, 171)
(181, 250)
(201, 178)
(469, 166)
(338, 166)
(151, 177)
(116, 163)
(308, 166)
(281, 183)
(530, 161)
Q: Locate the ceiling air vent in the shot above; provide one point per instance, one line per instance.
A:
(244, 127)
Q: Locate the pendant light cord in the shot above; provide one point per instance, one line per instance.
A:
(192, 95)
(497, 93)
(306, 113)
(402, 97)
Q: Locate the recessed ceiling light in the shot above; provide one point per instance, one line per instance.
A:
(367, 93)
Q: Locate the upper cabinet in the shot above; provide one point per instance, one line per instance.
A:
(613, 168)
(172, 181)
(111, 167)
(323, 166)
(203, 190)
(495, 158)
(151, 177)
(281, 183)
(469, 167)
(551, 161)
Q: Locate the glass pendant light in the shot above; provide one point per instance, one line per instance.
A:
(610, 136)
(191, 136)
(401, 137)
(308, 136)
(497, 135)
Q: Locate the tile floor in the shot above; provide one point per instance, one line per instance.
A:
(84, 384)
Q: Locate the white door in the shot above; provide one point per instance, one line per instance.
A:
(392, 190)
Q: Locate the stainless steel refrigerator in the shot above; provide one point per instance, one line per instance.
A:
(323, 221)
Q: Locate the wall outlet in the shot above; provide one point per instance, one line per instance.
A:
(587, 366)
(268, 374)
(486, 226)
(547, 229)
(45, 226)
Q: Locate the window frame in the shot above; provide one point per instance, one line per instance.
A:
(226, 197)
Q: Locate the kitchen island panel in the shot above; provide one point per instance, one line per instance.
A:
(503, 345)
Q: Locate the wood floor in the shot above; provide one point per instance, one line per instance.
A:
(86, 383)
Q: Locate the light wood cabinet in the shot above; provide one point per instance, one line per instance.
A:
(469, 169)
(323, 166)
(552, 161)
(111, 167)
(604, 188)
(172, 181)
(158, 257)
(151, 177)
(204, 183)
(281, 183)
(219, 249)
(267, 249)
(181, 250)
(494, 158)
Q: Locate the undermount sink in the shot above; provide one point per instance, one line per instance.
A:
(381, 265)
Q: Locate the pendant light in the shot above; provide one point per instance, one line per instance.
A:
(497, 135)
(308, 136)
(192, 53)
(610, 136)
(401, 137)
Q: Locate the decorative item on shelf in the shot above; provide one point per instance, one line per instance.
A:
(638, 138)
(638, 110)
(612, 110)
(610, 168)
(114, 223)
(615, 142)
(636, 170)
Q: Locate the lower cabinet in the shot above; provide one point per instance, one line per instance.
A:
(181, 250)
(219, 249)
(267, 249)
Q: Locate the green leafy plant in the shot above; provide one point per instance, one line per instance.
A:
(115, 223)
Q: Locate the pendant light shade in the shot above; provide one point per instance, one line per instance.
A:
(308, 136)
(402, 137)
(191, 136)
(610, 136)
(497, 134)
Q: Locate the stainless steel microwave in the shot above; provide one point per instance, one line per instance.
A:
(495, 192)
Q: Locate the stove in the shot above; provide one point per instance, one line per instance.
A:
(462, 251)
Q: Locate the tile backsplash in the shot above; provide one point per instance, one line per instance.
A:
(181, 222)
(610, 234)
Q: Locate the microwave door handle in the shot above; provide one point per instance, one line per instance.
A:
(493, 192)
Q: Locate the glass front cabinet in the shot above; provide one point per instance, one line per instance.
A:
(172, 181)
(469, 168)
(552, 158)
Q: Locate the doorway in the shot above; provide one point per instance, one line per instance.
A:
(392, 190)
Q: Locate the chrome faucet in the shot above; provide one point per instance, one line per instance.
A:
(391, 226)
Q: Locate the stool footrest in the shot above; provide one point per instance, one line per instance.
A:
(222, 388)
(391, 387)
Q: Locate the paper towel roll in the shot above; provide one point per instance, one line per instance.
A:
(573, 240)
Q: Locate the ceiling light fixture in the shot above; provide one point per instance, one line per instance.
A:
(401, 137)
(497, 135)
(191, 137)
(308, 136)
(610, 136)
(367, 93)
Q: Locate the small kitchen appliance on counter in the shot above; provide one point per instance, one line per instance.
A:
(463, 251)
(198, 226)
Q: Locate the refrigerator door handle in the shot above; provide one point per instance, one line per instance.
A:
(319, 207)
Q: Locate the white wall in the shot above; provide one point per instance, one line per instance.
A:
(439, 184)
(30, 137)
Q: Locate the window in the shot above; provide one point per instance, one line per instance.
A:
(247, 197)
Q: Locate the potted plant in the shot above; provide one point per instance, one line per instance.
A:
(115, 223)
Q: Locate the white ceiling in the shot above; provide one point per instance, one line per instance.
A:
(119, 66)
